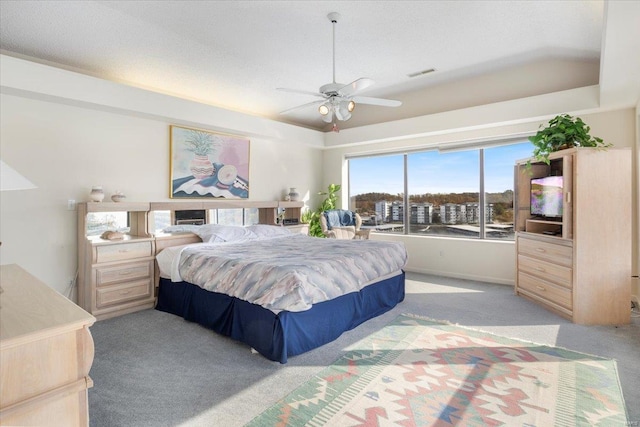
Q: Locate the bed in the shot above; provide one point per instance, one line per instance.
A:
(280, 293)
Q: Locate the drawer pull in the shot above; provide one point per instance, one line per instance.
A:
(540, 288)
(541, 269)
(541, 250)
(125, 292)
(125, 272)
(122, 251)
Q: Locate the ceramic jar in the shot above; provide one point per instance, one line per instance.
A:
(97, 194)
(118, 197)
(293, 194)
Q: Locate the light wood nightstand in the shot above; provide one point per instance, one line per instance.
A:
(116, 276)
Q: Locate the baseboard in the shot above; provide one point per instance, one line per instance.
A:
(495, 280)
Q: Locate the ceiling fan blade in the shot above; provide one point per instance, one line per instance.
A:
(303, 92)
(356, 86)
(299, 107)
(376, 101)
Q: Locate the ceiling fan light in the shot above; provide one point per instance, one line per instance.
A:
(328, 118)
(343, 112)
(324, 109)
(351, 106)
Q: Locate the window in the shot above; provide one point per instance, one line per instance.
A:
(499, 164)
(465, 193)
(444, 193)
(376, 187)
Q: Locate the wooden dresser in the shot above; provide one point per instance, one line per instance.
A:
(579, 265)
(545, 271)
(46, 352)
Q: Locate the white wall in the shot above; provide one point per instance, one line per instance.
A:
(65, 147)
(485, 260)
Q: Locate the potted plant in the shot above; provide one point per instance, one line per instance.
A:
(563, 131)
(313, 217)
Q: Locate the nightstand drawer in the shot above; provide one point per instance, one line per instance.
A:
(555, 273)
(122, 251)
(547, 290)
(122, 293)
(123, 272)
(557, 254)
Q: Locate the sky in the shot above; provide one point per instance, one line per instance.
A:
(436, 172)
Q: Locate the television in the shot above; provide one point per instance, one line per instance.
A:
(546, 197)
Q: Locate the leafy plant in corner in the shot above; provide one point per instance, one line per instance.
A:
(313, 217)
(563, 131)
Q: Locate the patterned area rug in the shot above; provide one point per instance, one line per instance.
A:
(417, 372)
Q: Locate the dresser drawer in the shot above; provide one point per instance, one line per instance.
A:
(124, 292)
(555, 253)
(122, 251)
(123, 272)
(546, 290)
(555, 273)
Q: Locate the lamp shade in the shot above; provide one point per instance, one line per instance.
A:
(12, 180)
(328, 118)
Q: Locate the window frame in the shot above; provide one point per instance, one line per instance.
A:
(479, 146)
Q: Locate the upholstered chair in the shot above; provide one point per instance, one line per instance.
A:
(342, 224)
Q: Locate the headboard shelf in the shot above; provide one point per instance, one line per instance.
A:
(116, 206)
(218, 204)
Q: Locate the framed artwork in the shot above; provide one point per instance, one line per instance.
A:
(206, 164)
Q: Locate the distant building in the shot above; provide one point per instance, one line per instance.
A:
(421, 213)
(488, 213)
(451, 213)
(473, 213)
(382, 210)
(397, 211)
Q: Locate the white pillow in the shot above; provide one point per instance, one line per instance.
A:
(264, 231)
(214, 233)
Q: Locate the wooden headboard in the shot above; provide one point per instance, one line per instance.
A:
(174, 239)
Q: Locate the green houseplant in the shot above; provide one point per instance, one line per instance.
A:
(563, 131)
(313, 217)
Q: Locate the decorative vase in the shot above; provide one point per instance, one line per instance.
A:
(96, 195)
(118, 197)
(201, 167)
(293, 194)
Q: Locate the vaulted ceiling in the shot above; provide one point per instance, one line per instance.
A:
(234, 54)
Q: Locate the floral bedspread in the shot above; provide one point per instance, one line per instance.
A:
(291, 272)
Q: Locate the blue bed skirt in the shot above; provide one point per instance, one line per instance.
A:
(279, 336)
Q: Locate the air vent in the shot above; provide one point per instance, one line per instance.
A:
(421, 73)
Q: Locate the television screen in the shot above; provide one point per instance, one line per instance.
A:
(546, 196)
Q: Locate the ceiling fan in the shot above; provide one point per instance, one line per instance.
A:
(339, 99)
